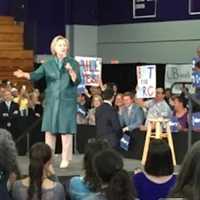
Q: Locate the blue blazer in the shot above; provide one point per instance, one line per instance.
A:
(132, 120)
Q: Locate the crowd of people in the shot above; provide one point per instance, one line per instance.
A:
(113, 113)
(104, 175)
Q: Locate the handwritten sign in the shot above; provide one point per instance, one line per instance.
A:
(146, 77)
(178, 73)
(90, 69)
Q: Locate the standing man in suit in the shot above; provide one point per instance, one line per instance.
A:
(9, 113)
(107, 121)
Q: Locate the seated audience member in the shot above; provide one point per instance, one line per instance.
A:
(168, 97)
(157, 178)
(132, 116)
(115, 181)
(188, 180)
(9, 113)
(35, 107)
(181, 112)
(23, 100)
(37, 185)
(118, 103)
(8, 162)
(158, 107)
(80, 187)
(96, 102)
(112, 86)
(95, 90)
(2, 89)
(82, 109)
(107, 121)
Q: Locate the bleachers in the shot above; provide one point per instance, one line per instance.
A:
(12, 53)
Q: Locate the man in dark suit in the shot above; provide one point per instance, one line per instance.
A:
(9, 113)
(107, 121)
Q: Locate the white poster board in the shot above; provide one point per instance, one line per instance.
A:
(90, 69)
(178, 73)
(146, 81)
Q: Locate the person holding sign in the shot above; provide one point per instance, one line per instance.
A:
(62, 76)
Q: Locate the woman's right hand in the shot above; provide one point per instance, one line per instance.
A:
(19, 73)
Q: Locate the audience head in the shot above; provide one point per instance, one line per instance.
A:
(40, 160)
(160, 94)
(168, 93)
(108, 94)
(7, 96)
(92, 148)
(95, 90)
(128, 98)
(96, 101)
(8, 153)
(179, 103)
(113, 86)
(159, 159)
(188, 180)
(115, 180)
(119, 100)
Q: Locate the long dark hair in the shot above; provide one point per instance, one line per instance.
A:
(188, 180)
(159, 159)
(92, 148)
(40, 154)
(116, 183)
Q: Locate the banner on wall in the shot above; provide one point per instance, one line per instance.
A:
(178, 73)
(144, 9)
(194, 7)
(90, 69)
(146, 81)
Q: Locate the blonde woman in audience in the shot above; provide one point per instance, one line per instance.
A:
(97, 100)
(23, 101)
(38, 185)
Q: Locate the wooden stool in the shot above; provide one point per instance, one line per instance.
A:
(158, 134)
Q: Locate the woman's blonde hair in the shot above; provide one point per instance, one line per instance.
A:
(54, 42)
(98, 97)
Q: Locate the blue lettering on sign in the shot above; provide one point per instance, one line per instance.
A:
(196, 120)
(196, 79)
